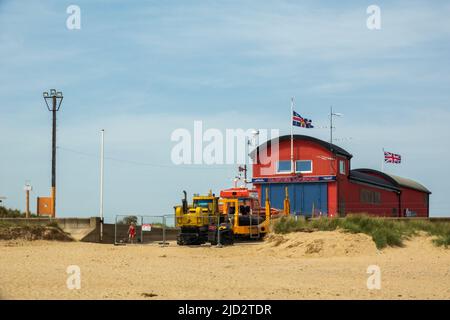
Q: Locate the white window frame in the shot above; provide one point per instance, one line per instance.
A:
(298, 171)
(342, 169)
(286, 171)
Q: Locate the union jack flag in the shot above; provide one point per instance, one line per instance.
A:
(299, 121)
(390, 157)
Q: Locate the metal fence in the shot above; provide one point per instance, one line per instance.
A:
(170, 220)
(148, 229)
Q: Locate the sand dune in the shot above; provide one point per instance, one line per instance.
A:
(319, 244)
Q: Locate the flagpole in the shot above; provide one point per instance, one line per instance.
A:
(382, 162)
(292, 135)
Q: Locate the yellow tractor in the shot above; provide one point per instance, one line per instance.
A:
(194, 220)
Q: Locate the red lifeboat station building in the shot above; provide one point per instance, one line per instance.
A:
(322, 181)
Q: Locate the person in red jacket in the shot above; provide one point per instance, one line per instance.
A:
(131, 232)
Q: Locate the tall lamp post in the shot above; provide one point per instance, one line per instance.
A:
(53, 101)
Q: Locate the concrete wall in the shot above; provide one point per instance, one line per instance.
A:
(81, 229)
(88, 229)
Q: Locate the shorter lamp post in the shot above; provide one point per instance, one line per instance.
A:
(27, 189)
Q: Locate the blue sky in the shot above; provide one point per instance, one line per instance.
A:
(143, 69)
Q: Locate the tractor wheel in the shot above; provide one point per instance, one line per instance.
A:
(197, 242)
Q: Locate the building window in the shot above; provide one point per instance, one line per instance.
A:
(303, 166)
(370, 197)
(284, 166)
(341, 166)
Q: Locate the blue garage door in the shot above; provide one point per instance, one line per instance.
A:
(302, 196)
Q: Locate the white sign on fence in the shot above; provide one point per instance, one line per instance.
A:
(146, 227)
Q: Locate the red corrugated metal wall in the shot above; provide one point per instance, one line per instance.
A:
(352, 199)
(414, 201)
(344, 196)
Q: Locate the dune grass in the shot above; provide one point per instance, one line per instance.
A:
(13, 213)
(10, 230)
(384, 232)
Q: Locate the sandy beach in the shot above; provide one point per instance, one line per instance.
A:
(319, 265)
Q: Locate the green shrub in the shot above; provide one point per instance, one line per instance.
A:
(380, 238)
(10, 213)
(13, 213)
(289, 224)
(128, 220)
(323, 224)
(442, 240)
(53, 224)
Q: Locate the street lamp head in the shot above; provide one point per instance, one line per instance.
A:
(337, 114)
(56, 98)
